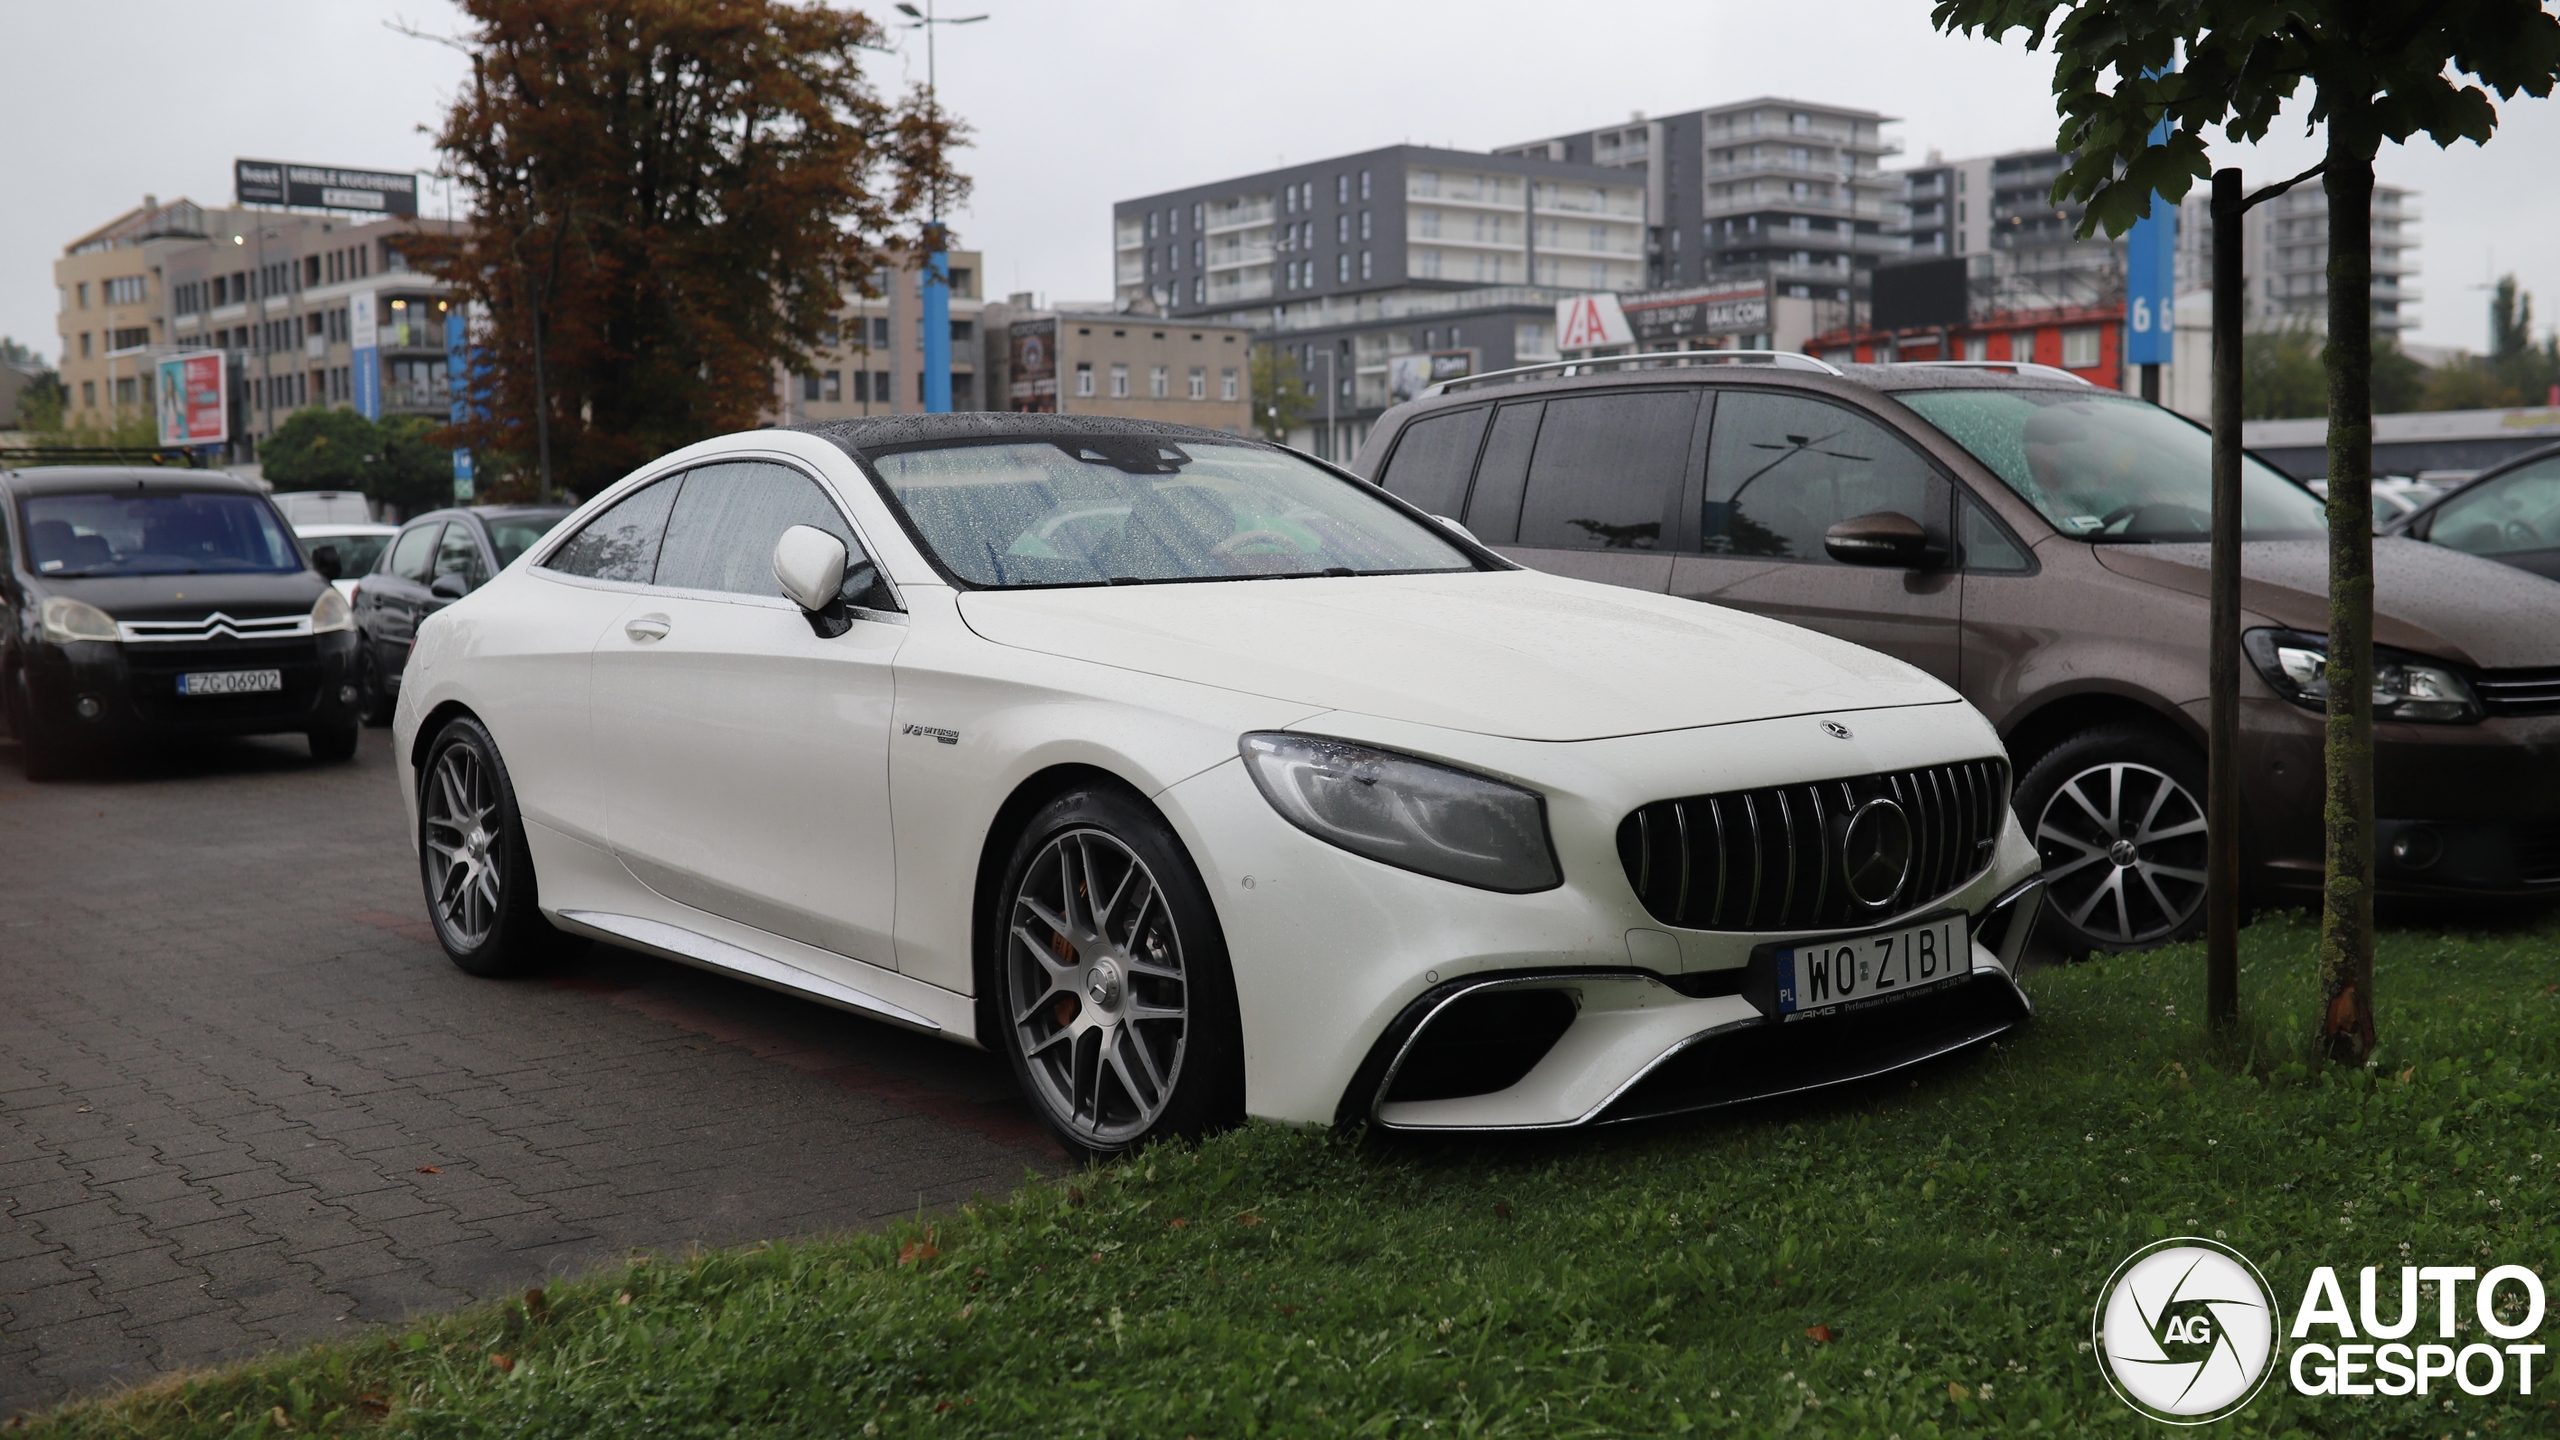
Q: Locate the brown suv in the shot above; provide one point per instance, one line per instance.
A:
(2037, 543)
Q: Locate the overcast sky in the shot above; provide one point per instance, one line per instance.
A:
(1080, 102)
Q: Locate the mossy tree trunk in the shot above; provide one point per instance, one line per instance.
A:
(2346, 926)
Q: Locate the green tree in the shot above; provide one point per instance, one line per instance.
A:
(2280, 375)
(395, 462)
(2399, 380)
(2523, 372)
(1282, 399)
(2379, 70)
(674, 198)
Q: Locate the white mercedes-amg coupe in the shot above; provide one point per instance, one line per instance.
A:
(1203, 780)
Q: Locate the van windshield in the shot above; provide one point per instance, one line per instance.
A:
(200, 533)
(1101, 510)
(2112, 469)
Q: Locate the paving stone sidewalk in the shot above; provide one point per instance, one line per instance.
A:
(245, 1101)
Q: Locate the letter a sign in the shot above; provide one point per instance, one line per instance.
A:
(1587, 322)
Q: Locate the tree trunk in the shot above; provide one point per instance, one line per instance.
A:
(2346, 924)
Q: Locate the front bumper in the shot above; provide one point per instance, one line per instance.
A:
(1342, 965)
(131, 690)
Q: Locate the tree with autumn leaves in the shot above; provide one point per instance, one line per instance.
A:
(672, 200)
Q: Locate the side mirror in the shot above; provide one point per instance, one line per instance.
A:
(450, 586)
(1885, 538)
(324, 558)
(809, 565)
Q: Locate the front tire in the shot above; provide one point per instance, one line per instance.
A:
(44, 753)
(2117, 815)
(1118, 1007)
(473, 860)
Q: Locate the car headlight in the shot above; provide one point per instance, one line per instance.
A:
(64, 620)
(1405, 812)
(330, 612)
(2295, 664)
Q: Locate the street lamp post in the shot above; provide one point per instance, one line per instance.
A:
(936, 281)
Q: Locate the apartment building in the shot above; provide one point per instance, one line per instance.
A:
(871, 360)
(309, 309)
(2024, 250)
(2285, 265)
(1785, 191)
(1094, 360)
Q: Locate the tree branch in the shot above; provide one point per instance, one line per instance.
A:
(2280, 187)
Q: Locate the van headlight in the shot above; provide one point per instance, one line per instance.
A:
(331, 612)
(65, 620)
(2295, 664)
(1405, 812)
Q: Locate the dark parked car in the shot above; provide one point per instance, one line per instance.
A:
(436, 559)
(138, 604)
(2039, 544)
(2510, 514)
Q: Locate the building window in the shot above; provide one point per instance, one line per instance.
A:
(88, 391)
(1977, 347)
(1364, 224)
(1364, 186)
(1199, 383)
(1199, 215)
(1159, 382)
(1119, 382)
(808, 387)
(831, 386)
(1342, 266)
(1084, 378)
(1364, 265)
(1199, 289)
(84, 344)
(1799, 124)
(2022, 346)
(2079, 349)
(1196, 254)
(1151, 224)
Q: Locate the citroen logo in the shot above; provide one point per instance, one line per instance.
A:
(1875, 853)
(1835, 729)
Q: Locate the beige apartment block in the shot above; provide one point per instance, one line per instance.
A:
(1102, 362)
(873, 361)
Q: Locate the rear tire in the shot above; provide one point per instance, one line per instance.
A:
(374, 704)
(335, 745)
(473, 860)
(2117, 816)
(1116, 1003)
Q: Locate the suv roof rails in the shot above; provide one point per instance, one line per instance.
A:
(1652, 360)
(2015, 367)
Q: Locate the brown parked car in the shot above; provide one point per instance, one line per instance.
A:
(2038, 544)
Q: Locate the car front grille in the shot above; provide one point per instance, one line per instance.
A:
(2520, 692)
(1771, 859)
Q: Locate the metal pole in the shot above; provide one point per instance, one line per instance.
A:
(2222, 780)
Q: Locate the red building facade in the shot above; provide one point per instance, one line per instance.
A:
(2087, 340)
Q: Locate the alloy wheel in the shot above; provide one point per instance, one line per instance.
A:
(462, 833)
(1100, 1000)
(2124, 852)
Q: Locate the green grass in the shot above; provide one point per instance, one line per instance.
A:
(1947, 1232)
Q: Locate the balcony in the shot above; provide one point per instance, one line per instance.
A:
(1230, 257)
(1231, 289)
(1239, 214)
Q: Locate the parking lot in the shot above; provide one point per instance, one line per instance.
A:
(245, 1101)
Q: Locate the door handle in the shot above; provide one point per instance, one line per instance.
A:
(647, 628)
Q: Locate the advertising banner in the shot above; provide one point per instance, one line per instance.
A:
(1410, 375)
(2151, 279)
(1588, 322)
(1684, 314)
(323, 187)
(190, 396)
(364, 343)
(1034, 386)
(457, 373)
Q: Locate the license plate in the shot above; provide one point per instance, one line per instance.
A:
(230, 682)
(1819, 977)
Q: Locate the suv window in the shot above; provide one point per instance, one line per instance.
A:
(1433, 459)
(726, 521)
(459, 554)
(414, 552)
(1607, 469)
(622, 543)
(1782, 469)
(1493, 507)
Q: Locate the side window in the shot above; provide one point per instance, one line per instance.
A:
(414, 552)
(621, 543)
(1493, 509)
(1985, 546)
(1782, 469)
(459, 554)
(2517, 511)
(1607, 470)
(725, 524)
(1433, 459)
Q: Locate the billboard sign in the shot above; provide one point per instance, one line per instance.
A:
(1588, 322)
(364, 344)
(323, 187)
(192, 396)
(1034, 370)
(1410, 375)
(1921, 294)
(1680, 315)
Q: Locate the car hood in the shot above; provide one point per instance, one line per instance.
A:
(191, 597)
(1516, 653)
(2426, 598)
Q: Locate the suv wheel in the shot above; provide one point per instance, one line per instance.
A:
(2117, 814)
(1118, 1010)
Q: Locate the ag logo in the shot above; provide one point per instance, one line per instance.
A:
(2185, 1331)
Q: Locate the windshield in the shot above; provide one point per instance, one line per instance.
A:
(184, 534)
(1095, 510)
(515, 534)
(2111, 468)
